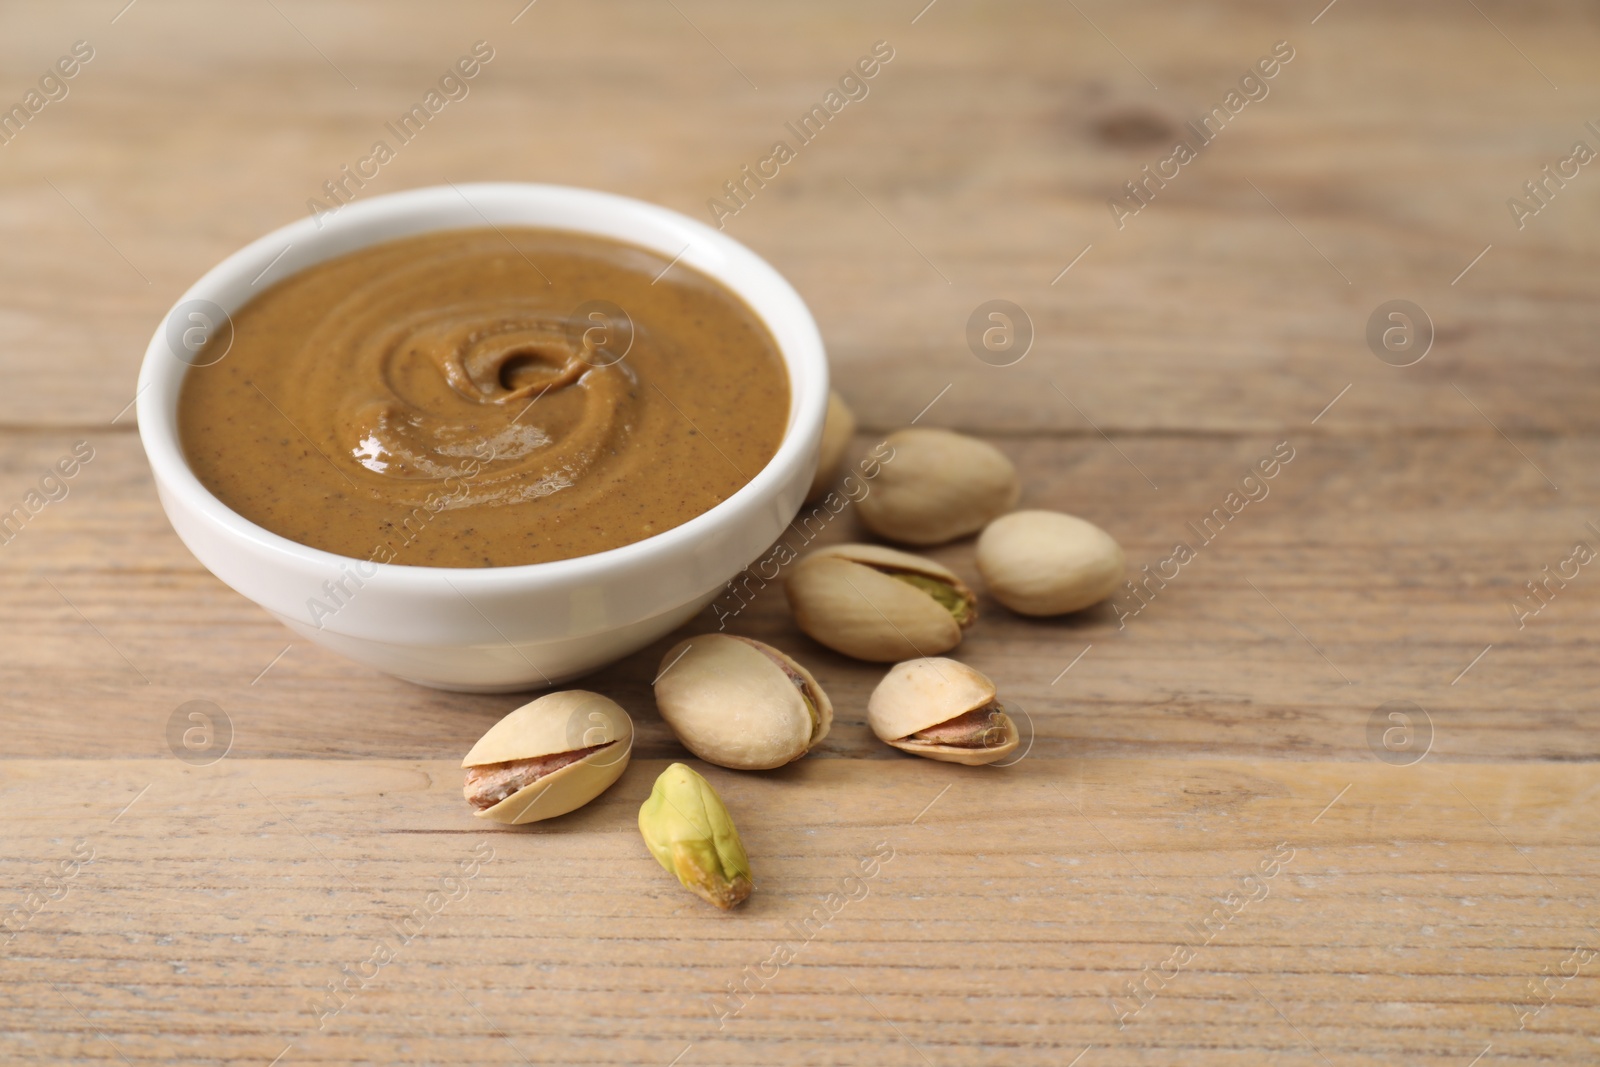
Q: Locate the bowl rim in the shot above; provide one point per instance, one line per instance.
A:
(716, 254)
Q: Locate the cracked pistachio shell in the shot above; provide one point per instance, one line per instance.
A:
(688, 830)
(937, 487)
(740, 703)
(922, 693)
(1047, 563)
(843, 597)
(837, 429)
(555, 723)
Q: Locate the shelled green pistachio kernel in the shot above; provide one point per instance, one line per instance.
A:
(688, 830)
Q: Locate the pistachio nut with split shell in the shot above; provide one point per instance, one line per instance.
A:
(740, 703)
(879, 604)
(548, 757)
(944, 710)
(837, 429)
(940, 486)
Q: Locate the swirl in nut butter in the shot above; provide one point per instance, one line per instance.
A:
(491, 397)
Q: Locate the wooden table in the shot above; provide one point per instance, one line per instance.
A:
(1432, 890)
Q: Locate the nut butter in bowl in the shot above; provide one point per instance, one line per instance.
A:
(485, 398)
(485, 457)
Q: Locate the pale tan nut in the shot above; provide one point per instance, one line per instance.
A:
(942, 709)
(548, 757)
(939, 486)
(740, 703)
(879, 604)
(837, 429)
(1048, 563)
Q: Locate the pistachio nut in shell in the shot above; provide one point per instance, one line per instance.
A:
(688, 830)
(548, 757)
(837, 429)
(879, 604)
(939, 486)
(944, 710)
(1048, 563)
(740, 703)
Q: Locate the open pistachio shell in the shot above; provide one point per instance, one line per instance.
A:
(740, 703)
(850, 598)
(837, 430)
(923, 694)
(890, 559)
(554, 724)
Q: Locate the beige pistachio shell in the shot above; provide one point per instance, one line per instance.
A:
(843, 600)
(992, 751)
(939, 486)
(734, 702)
(552, 724)
(922, 693)
(1048, 563)
(891, 558)
(837, 429)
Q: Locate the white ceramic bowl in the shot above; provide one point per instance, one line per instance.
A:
(491, 629)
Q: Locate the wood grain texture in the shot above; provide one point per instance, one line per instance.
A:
(1393, 562)
(1174, 751)
(1411, 907)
